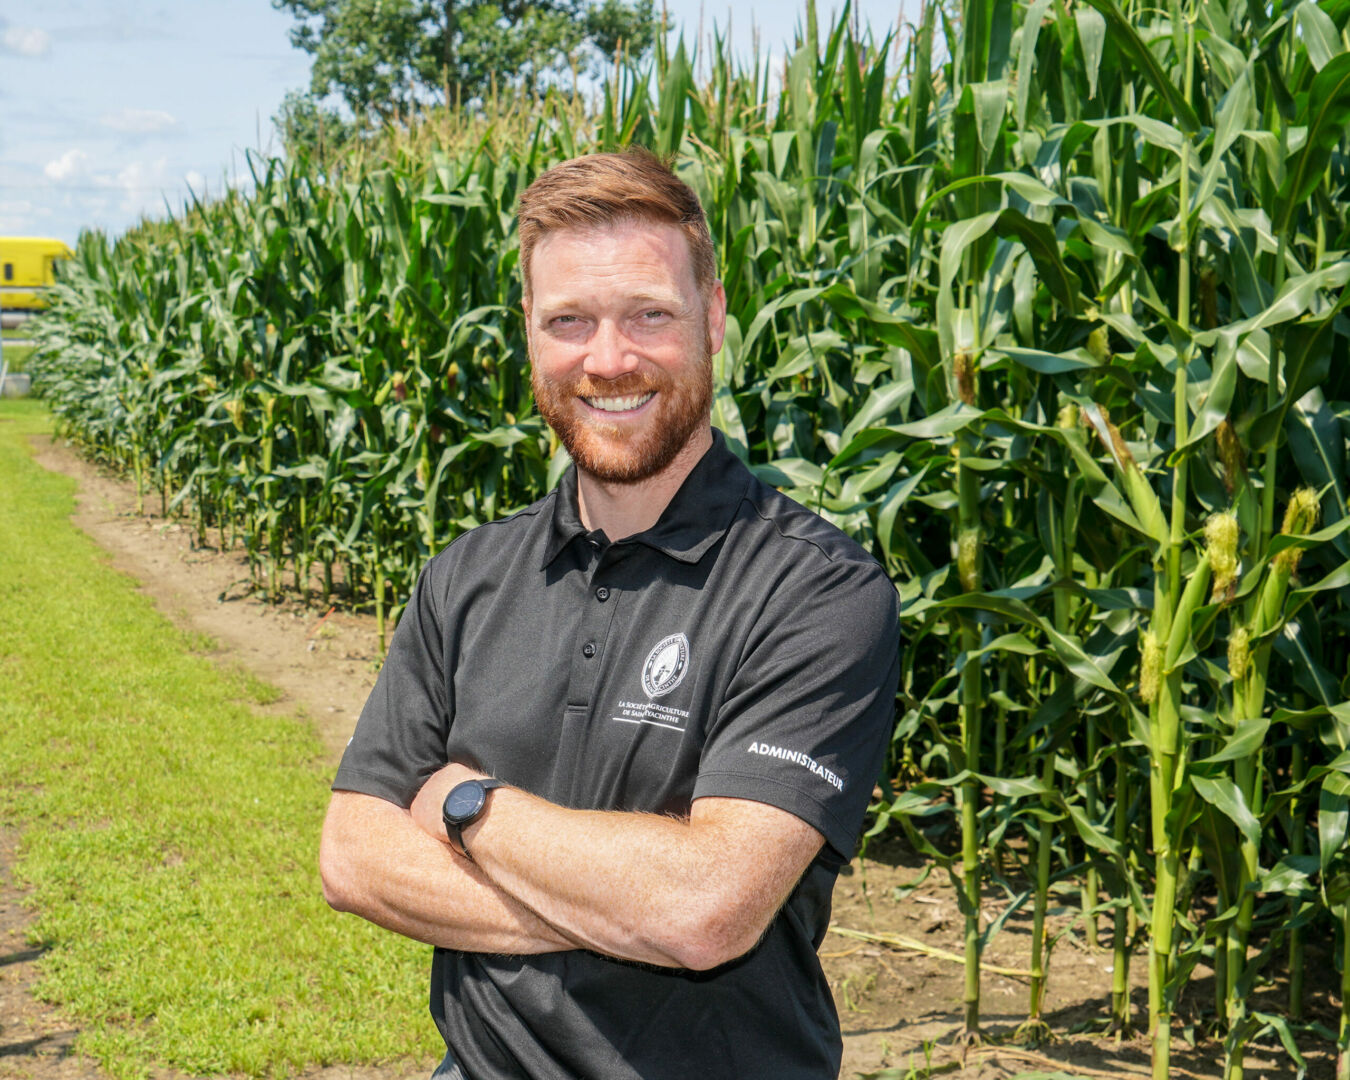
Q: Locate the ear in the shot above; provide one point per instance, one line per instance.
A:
(717, 316)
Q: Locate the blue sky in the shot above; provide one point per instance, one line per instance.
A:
(110, 109)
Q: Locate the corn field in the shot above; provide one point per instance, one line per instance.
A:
(1042, 303)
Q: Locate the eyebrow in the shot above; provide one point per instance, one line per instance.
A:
(669, 300)
(664, 299)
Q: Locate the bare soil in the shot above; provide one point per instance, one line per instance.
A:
(900, 1006)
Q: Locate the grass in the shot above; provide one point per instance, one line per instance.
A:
(16, 356)
(169, 830)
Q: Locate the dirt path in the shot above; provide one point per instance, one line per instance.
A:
(898, 1007)
(324, 667)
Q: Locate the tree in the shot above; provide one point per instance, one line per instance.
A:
(383, 57)
(307, 126)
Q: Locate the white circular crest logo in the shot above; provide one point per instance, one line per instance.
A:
(666, 665)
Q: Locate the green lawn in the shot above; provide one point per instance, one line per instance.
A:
(16, 356)
(169, 828)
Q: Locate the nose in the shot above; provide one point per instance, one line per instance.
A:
(611, 354)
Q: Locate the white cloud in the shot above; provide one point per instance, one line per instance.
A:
(138, 176)
(137, 187)
(138, 121)
(69, 166)
(144, 185)
(17, 216)
(26, 40)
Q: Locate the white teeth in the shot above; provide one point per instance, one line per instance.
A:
(618, 404)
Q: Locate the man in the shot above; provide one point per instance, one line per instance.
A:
(682, 681)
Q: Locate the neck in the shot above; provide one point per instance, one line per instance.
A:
(621, 510)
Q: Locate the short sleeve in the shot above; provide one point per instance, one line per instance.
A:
(400, 738)
(809, 711)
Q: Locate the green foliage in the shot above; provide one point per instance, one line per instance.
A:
(385, 58)
(1021, 321)
(311, 129)
(170, 830)
(616, 27)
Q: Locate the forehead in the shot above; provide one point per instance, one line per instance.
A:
(636, 255)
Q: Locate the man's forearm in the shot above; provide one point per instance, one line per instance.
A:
(611, 883)
(378, 864)
(680, 893)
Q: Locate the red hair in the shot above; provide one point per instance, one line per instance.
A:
(600, 190)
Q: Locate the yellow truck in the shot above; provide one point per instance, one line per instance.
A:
(26, 269)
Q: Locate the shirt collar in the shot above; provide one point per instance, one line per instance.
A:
(693, 521)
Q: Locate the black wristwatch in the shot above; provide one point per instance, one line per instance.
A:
(464, 803)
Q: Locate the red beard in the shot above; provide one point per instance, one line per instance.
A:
(623, 453)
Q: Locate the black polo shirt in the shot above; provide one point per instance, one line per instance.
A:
(740, 647)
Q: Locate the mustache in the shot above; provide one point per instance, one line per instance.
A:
(633, 382)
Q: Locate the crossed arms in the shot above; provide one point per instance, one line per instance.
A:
(689, 893)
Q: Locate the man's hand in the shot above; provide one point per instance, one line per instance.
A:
(691, 893)
(426, 808)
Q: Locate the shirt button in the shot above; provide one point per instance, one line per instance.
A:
(588, 650)
(602, 594)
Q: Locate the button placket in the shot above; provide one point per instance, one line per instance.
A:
(592, 632)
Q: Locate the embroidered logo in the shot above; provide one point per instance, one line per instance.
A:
(666, 666)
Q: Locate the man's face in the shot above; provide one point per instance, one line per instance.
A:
(621, 343)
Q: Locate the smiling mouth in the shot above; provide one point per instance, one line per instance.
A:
(619, 404)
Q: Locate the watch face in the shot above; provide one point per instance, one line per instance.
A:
(464, 801)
